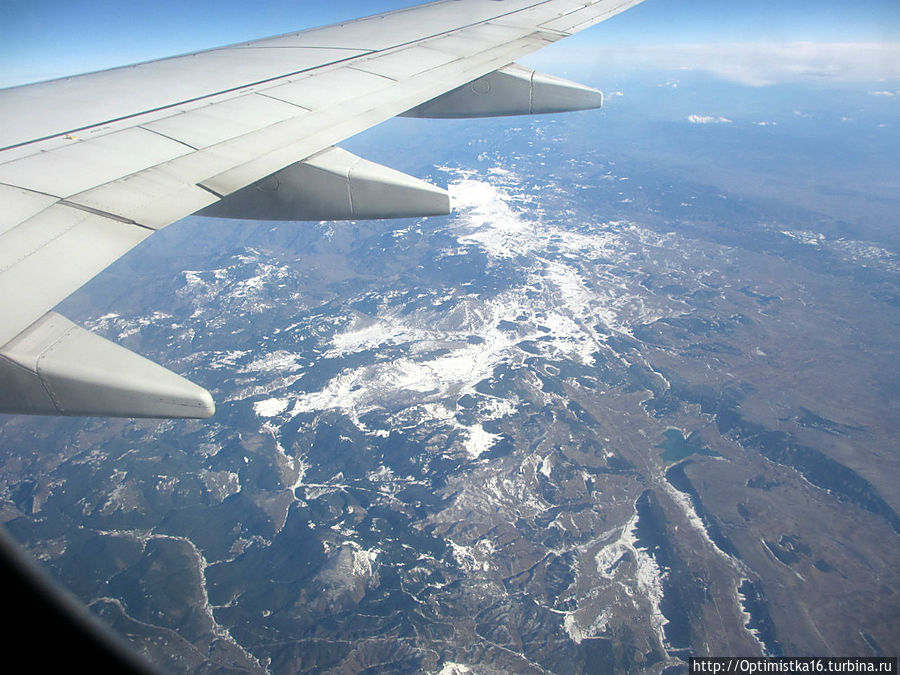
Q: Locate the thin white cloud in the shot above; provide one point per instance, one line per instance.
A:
(707, 119)
(885, 93)
(756, 64)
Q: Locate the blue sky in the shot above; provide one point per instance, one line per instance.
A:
(40, 39)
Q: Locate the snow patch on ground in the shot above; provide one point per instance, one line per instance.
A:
(741, 600)
(414, 359)
(270, 407)
(635, 571)
(690, 513)
(479, 441)
(450, 668)
(221, 484)
(278, 361)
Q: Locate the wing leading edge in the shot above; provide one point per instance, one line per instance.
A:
(92, 165)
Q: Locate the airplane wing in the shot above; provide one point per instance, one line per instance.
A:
(92, 165)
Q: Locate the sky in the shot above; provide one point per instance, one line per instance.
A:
(42, 39)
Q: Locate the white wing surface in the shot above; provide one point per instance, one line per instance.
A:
(92, 165)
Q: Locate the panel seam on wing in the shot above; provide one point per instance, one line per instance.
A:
(167, 136)
(105, 214)
(38, 371)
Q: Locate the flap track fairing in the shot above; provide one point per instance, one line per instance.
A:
(334, 185)
(55, 367)
(512, 90)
